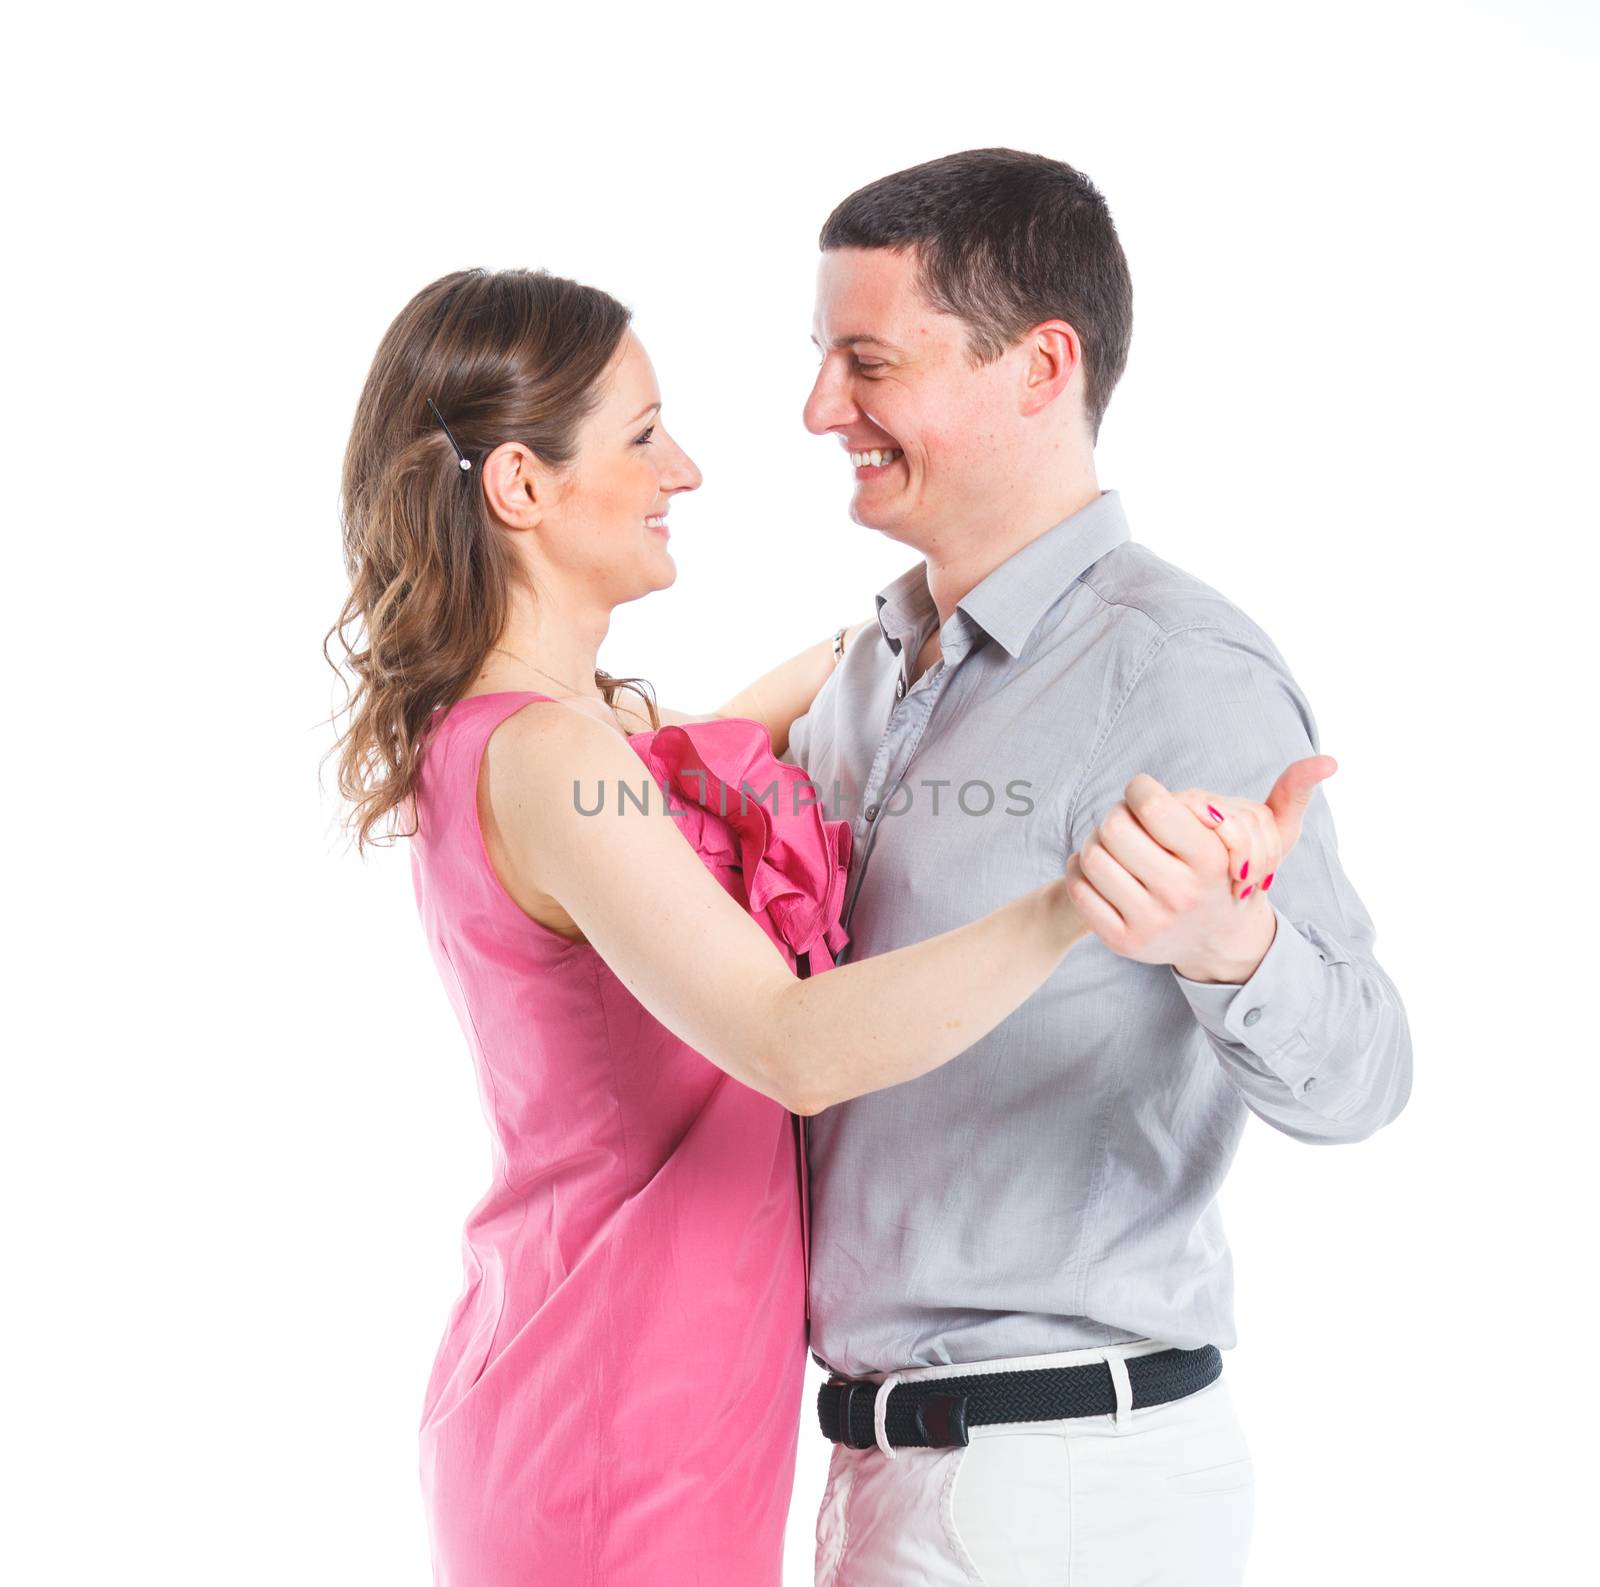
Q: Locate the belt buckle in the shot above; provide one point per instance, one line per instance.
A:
(942, 1420)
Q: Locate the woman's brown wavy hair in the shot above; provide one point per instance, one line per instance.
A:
(506, 355)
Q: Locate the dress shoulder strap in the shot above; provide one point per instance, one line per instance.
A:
(448, 782)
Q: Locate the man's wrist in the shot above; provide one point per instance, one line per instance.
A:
(1240, 960)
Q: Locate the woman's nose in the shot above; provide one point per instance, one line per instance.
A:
(685, 476)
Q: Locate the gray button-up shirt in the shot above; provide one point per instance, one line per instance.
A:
(1055, 1185)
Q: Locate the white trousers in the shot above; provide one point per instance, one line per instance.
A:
(1160, 1497)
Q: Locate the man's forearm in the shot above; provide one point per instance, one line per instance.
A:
(1316, 1041)
(1315, 1037)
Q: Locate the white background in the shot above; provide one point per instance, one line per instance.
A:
(240, 1128)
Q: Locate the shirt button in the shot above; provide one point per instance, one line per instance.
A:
(872, 812)
(1311, 1083)
(1252, 1016)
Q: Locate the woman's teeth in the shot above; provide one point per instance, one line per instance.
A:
(874, 459)
(658, 522)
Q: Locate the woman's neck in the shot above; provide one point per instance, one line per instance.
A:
(549, 652)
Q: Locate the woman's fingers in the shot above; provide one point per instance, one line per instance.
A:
(1228, 818)
(1248, 831)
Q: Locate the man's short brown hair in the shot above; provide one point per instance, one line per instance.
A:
(1005, 240)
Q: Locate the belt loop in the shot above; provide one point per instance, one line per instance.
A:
(1124, 1389)
(880, 1415)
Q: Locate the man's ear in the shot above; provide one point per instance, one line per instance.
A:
(516, 485)
(1054, 359)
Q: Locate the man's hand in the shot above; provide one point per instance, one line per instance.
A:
(1181, 879)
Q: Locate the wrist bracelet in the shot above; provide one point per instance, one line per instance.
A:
(838, 647)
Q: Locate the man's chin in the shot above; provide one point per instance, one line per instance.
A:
(899, 527)
(876, 514)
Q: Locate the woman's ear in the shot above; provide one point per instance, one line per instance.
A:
(516, 485)
(1055, 355)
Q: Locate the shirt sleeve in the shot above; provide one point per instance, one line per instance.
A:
(1316, 1042)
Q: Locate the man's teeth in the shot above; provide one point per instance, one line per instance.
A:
(874, 459)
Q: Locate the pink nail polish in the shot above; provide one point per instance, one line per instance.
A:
(1268, 883)
(1216, 814)
(1246, 893)
(1244, 871)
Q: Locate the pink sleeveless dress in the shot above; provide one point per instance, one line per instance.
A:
(616, 1397)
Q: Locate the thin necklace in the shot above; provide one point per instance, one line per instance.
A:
(554, 679)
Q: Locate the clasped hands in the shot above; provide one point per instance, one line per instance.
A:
(1182, 878)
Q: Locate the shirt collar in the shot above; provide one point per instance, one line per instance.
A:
(1008, 604)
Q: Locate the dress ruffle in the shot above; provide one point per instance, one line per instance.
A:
(770, 846)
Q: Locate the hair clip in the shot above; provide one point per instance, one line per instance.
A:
(466, 462)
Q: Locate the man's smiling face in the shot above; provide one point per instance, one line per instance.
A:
(897, 380)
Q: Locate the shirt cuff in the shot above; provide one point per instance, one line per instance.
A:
(1267, 1014)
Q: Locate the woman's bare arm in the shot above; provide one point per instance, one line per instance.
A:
(777, 697)
(698, 962)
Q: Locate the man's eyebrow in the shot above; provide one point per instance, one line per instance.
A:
(653, 408)
(859, 336)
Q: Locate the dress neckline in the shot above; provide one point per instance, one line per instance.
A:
(532, 694)
(647, 732)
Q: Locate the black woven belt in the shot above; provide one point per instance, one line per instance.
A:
(935, 1413)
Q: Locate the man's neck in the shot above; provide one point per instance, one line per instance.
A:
(953, 572)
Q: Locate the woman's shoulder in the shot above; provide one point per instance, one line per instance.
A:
(567, 734)
(562, 822)
(533, 761)
(638, 718)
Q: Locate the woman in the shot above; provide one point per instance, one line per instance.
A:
(616, 1397)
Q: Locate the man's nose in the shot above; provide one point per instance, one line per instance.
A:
(829, 406)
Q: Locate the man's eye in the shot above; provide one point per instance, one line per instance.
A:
(866, 368)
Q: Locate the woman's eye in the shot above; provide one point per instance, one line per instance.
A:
(644, 440)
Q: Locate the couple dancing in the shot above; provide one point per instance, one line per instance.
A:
(924, 1028)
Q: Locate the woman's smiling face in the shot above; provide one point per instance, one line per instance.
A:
(610, 511)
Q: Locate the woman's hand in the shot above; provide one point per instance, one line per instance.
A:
(1258, 837)
(1179, 878)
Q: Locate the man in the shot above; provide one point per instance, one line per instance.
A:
(1019, 1277)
